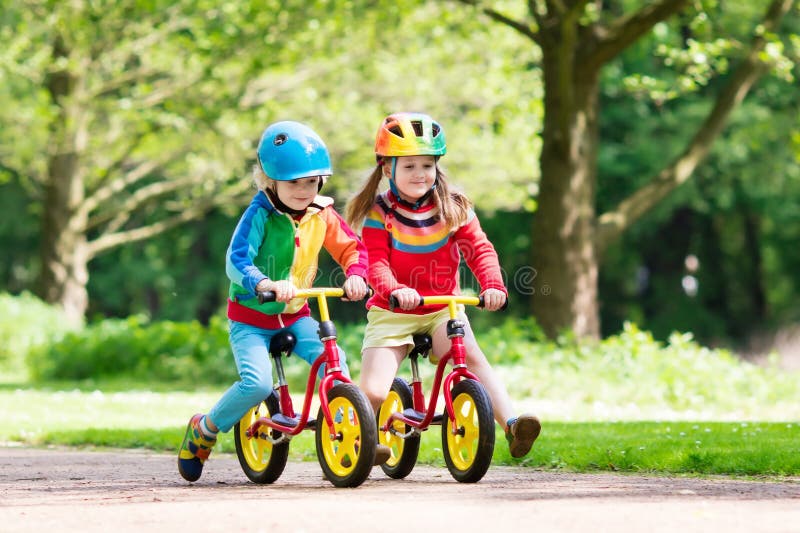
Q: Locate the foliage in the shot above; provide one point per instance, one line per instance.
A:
(27, 323)
(177, 352)
(162, 103)
(341, 66)
(630, 375)
(683, 389)
(732, 217)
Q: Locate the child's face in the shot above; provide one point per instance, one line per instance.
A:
(414, 175)
(298, 194)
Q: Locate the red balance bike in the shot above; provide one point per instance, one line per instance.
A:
(346, 435)
(467, 420)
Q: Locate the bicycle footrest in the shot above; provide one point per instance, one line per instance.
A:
(292, 422)
(417, 416)
(413, 414)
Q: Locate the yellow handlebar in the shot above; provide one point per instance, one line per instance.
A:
(465, 300)
(450, 300)
(320, 293)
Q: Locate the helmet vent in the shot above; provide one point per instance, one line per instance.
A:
(417, 125)
(396, 130)
(280, 139)
(436, 129)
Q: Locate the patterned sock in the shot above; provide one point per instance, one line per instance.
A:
(509, 422)
(211, 435)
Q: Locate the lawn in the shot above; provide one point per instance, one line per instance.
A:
(156, 420)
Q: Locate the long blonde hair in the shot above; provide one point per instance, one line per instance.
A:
(453, 205)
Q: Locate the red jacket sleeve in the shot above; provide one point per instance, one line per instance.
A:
(480, 255)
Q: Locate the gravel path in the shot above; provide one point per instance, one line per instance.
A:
(66, 490)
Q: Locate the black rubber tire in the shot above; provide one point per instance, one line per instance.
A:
(356, 437)
(469, 453)
(404, 451)
(261, 461)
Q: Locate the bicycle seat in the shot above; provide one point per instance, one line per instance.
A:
(422, 345)
(282, 343)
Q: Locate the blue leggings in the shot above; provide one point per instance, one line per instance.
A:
(250, 345)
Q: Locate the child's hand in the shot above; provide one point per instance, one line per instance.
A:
(407, 298)
(493, 299)
(355, 288)
(284, 290)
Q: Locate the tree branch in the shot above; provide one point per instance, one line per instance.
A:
(613, 223)
(111, 240)
(525, 29)
(627, 29)
(119, 184)
(117, 163)
(559, 7)
(263, 89)
(108, 241)
(172, 22)
(127, 79)
(140, 197)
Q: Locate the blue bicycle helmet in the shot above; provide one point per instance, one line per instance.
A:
(290, 150)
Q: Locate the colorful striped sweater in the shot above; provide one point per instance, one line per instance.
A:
(270, 244)
(412, 248)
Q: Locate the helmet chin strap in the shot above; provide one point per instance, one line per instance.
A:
(396, 192)
(273, 196)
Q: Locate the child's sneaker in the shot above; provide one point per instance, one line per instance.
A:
(382, 454)
(521, 434)
(194, 450)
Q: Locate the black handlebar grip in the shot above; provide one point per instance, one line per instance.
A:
(482, 303)
(266, 296)
(394, 303)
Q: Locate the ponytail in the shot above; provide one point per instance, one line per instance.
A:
(360, 205)
(453, 205)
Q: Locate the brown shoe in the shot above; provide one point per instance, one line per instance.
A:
(521, 434)
(382, 454)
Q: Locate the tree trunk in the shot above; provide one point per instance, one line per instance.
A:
(64, 254)
(564, 256)
(64, 251)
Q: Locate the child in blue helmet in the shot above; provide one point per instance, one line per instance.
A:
(275, 248)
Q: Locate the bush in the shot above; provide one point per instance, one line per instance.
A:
(184, 353)
(628, 376)
(25, 323)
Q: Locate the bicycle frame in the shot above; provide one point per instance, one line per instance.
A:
(457, 352)
(333, 372)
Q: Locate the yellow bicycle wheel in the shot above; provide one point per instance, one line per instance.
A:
(346, 452)
(468, 440)
(261, 461)
(404, 450)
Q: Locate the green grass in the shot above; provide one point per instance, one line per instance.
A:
(737, 448)
(156, 421)
(627, 403)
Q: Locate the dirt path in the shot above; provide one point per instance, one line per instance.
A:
(62, 490)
